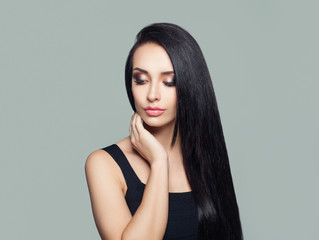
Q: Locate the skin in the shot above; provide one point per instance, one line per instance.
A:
(147, 150)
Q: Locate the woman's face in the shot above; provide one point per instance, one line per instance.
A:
(153, 85)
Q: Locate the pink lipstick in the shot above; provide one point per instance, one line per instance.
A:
(154, 111)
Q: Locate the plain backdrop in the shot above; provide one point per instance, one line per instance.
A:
(62, 96)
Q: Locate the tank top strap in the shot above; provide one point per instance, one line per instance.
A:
(131, 179)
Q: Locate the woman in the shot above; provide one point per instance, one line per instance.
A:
(170, 179)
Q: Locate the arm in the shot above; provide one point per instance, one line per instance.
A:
(110, 211)
(112, 216)
(150, 219)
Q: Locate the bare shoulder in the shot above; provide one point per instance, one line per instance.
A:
(100, 160)
(105, 182)
(125, 145)
(98, 157)
(101, 163)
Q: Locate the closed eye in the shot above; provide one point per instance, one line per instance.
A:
(170, 84)
(138, 81)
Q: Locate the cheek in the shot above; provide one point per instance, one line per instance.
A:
(175, 104)
(134, 93)
(136, 98)
(139, 93)
(172, 98)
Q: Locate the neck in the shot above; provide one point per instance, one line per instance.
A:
(164, 135)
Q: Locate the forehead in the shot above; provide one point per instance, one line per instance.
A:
(152, 57)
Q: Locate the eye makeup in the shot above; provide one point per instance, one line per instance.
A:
(138, 78)
(170, 82)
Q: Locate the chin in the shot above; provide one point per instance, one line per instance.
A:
(156, 122)
(153, 122)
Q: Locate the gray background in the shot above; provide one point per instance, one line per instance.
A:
(62, 96)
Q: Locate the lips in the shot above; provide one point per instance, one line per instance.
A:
(154, 111)
(154, 108)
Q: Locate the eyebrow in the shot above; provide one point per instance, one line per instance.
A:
(162, 73)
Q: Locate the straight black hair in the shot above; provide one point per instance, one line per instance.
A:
(198, 122)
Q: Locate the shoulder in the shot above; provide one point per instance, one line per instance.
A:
(106, 188)
(125, 145)
(101, 165)
(98, 158)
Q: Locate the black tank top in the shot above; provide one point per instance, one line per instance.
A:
(182, 214)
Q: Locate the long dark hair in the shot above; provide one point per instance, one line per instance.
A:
(198, 122)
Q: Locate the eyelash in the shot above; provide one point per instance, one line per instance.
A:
(141, 82)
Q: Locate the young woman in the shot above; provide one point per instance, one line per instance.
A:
(170, 179)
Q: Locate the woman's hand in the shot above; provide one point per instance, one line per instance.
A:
(145, 143)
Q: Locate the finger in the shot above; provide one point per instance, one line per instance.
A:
(131, 121)
(132, 136)
(134, 130)
(139, 125)
(130, 128)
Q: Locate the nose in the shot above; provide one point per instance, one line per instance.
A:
(153, 92)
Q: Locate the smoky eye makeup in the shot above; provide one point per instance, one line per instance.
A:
(138, 79)
(170, 82)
